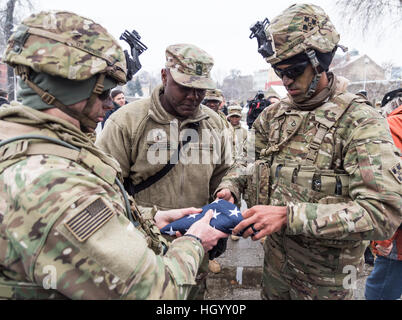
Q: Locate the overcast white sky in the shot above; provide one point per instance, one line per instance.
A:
(220, 27)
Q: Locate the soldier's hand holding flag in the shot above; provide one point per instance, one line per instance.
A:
(260, 221)
(225, 216)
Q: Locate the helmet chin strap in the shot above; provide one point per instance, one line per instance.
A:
(87, 124)
(90, 126)
(317, 75)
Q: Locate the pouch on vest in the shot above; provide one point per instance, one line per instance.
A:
(296, 183)
(151, 232)
(257, 189)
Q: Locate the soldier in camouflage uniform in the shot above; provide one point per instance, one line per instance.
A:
(327, 176)
(65, 229)
(239, 133)
(214, 99)
(149, 135)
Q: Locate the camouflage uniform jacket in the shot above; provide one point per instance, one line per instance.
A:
(239, 138)
(63, 226)
(336, 169)
(142, 136)
(223, 117)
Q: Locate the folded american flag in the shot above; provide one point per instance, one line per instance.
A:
(226, 217)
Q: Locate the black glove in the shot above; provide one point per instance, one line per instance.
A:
(220, 248)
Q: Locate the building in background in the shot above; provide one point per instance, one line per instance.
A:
(236, 87)
(365, 74)
(357, 68)
(267, 81)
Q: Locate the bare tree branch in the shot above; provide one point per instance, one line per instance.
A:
(371, 17)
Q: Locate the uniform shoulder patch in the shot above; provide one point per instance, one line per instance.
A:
(87, 222)
(396, 171)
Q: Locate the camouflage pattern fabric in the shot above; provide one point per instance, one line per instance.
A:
(63, 229)
(143, 136)
(225, 121)
(234, 111)
(78, 50)
(258, 177)
(299, 27)
(296, 289)
(239, 138)
(145, 217)
(190, 66)
(214, 94)
(347, 196)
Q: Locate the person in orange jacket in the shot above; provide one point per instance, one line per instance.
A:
(385, 281)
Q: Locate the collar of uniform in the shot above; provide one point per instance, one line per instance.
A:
(160, 115)
(61, 129)
(22, 114)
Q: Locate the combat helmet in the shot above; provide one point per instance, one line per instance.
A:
(71, 48)
(300, 29)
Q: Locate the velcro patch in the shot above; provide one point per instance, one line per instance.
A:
(87, 222)
(396, 171)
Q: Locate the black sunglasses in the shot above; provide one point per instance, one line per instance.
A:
(293, 71)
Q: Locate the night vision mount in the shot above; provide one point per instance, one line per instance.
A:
(264, 44)
(137, 47)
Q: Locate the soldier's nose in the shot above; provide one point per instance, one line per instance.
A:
(192, 94)
(287, 81)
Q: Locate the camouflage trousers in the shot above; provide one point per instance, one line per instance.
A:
(280, 282)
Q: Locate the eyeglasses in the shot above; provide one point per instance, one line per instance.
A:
(104, 95)
(293, 71)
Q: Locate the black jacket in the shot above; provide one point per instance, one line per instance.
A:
(255, 108)
(109, 113)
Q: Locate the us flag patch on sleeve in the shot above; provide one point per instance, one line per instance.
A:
(87, 222)
(396, 171)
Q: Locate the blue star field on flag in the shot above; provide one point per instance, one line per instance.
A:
(226, 216)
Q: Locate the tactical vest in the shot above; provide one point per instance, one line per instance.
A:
(299, 181)
(18, 150)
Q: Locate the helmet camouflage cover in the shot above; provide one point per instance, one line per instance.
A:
(214, 94)
(66, 45)
(190, 66)
(234, 111)
(298, 28)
